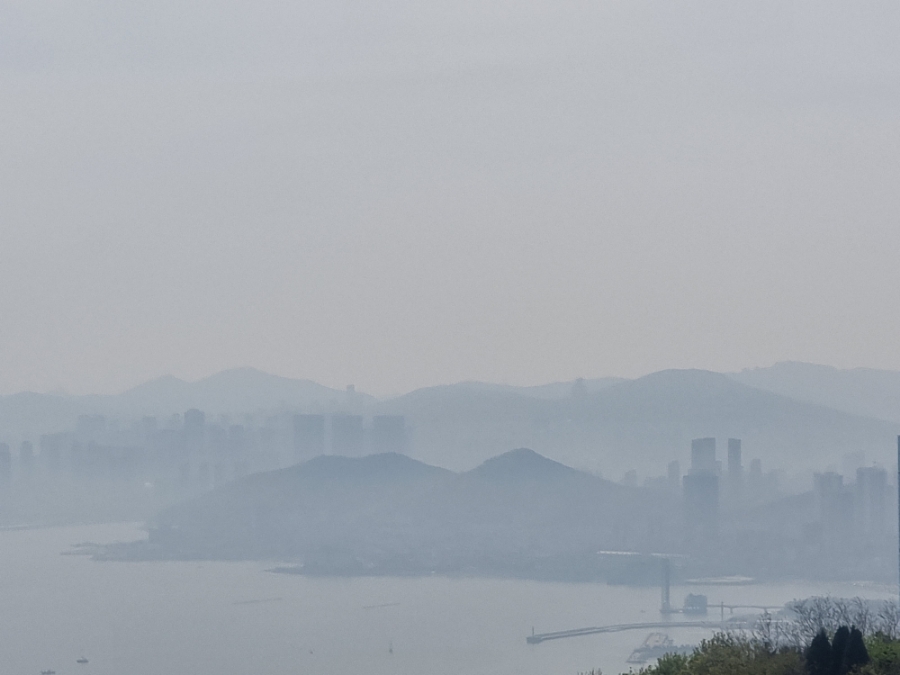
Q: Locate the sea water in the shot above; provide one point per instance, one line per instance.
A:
(219, 618)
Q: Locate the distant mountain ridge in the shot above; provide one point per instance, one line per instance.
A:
(552, 390)
(235, 391)
(788, 415)
(642, 424)
(859, 391)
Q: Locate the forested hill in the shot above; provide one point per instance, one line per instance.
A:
(392, 514)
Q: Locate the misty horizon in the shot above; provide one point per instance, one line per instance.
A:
(496, 192)
(337, 386)
(402, 338)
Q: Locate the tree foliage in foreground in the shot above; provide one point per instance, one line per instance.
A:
(847, 653)
(731, 654)
(816, 636)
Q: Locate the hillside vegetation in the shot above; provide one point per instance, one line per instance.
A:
(817, 636)
(518, 514)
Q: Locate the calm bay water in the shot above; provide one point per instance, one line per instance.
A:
(236, 618)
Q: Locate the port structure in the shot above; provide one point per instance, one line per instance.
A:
(537, 638)
(666, 608)
(665, 604)
(665, 574)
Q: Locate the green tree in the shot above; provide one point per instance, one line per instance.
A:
(885, 656)
(728, 654)
(670, 664)
(855, 654)
(818, 655)
(838, 648)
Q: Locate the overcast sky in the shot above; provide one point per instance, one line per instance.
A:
(397, 194)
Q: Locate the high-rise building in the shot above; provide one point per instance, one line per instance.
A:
(735, 483)
(735, 468)
(52, 446)
(701, 506)
(871, 501)
(834, 502)
(352, 400)
(347, 435)
(309, 436)
(701, 492)
(755, 476)
(194, 427)
(26, 457)
(673, 476)
(703, 456)
(237, 441)
(5, 462)
(388, 433)
(194, 419)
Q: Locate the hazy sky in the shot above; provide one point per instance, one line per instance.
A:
(397, 194)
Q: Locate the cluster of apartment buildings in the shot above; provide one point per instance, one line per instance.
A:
(712, 490)
(860, 508)
(190, 450)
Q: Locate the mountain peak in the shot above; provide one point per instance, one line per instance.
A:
(519, 463)
(242, 374)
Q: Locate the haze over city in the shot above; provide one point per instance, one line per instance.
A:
(449, 337)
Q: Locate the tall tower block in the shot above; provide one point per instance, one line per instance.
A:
(703, 455)
(735, 467)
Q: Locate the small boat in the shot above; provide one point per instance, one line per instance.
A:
(82, 660)
(391, 648)
(48, 672)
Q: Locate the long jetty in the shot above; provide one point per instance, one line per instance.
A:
(593, 630)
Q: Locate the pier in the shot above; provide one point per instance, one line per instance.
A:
(537, 638)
